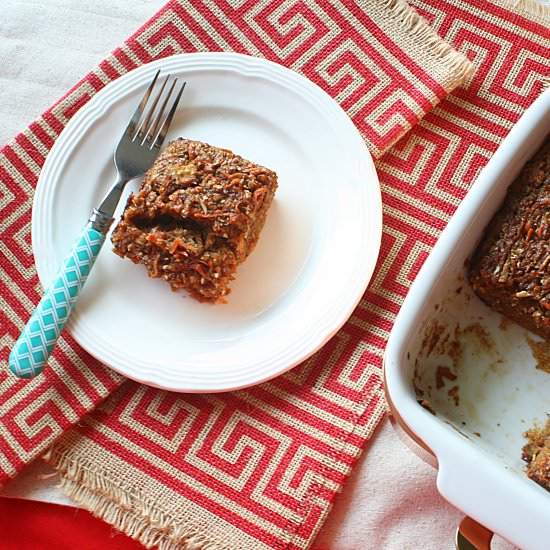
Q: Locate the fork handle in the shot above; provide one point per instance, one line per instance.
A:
(31, 351)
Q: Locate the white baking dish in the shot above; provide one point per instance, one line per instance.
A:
(477, 442)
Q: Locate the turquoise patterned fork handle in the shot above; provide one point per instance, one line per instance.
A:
(31, 351)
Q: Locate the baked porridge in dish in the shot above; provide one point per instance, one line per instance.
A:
(197, 215)
(510, 270)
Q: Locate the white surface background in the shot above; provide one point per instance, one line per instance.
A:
(391, 501)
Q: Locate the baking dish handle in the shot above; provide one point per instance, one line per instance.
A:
(470, 535)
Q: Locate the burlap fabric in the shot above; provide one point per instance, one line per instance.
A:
(261, 467)
(301, 36)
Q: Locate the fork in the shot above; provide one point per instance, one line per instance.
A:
(135, 153)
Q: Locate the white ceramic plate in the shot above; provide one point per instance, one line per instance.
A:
(312, 264)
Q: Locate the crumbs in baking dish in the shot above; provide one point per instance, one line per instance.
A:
(536, 453)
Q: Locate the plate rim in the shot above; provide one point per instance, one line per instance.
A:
(92, 110)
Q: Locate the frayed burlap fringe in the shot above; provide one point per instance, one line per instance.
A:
(419, 29)
(131, 514)
(531, 8)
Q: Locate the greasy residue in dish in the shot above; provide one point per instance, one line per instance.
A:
(449, 342)
(451, 348)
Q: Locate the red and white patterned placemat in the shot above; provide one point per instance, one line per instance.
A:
(331, 45)
(261, 467)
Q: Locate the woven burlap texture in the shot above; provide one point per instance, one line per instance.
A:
(156, 514)
(152, 510)
(75, 382)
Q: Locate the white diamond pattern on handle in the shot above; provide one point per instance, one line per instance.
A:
(32, 349)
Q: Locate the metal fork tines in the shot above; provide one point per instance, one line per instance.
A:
(140, 143)
(140, 126)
